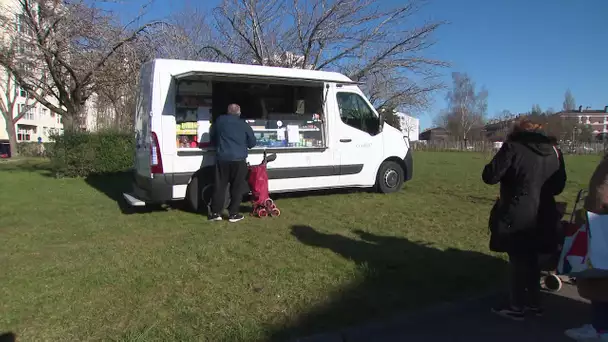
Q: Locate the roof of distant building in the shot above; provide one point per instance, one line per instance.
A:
(583, 111)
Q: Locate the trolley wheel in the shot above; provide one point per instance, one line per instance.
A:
(262, 212)
(275, 212)
(268, 203)
(552, 283)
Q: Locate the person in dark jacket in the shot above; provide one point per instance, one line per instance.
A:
(232, 137)
(524, 220)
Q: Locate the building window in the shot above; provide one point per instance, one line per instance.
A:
(22, 25)
(19, 22)
(29, 112)
(21, 92)
(24, 132)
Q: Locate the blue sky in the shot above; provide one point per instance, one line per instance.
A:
(523, 51)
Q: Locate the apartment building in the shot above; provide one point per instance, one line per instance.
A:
(38, 123)
(597, 119)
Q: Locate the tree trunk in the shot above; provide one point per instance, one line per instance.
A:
(68, 123)
(117, 120)
(74, 119)
(12, 136)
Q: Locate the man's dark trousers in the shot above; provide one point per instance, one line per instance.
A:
(233, 172)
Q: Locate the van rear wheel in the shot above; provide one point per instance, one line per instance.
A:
(207, 194)
(390, 177)
(200, 197)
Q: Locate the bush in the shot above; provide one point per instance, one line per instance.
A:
(80, 154)
(32, 149)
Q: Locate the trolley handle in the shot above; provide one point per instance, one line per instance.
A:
(579, 197)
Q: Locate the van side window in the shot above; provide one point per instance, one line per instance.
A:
(355, 112)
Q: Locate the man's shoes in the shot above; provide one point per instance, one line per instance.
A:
(534, 310)
(235, 218)
(509, 312)
(215, 217)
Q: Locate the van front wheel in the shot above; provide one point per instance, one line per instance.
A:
(390, 177)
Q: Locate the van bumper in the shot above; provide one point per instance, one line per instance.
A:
(409, 165)
(155, 190)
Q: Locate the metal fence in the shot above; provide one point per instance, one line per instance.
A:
(485, 146)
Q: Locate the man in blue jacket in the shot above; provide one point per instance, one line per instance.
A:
(232, 137)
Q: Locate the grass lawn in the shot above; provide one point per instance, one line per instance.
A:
(75, 267)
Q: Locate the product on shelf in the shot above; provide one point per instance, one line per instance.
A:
(287, 133)
(187, 141)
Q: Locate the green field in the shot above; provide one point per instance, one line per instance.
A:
(75, 267)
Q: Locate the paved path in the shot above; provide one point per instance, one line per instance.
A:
(472, 321)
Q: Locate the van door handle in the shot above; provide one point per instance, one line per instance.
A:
(345, 140)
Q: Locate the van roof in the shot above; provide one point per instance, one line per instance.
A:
(185, 68)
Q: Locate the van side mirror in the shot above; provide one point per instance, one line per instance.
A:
(380, 122)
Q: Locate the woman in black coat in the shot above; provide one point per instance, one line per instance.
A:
(524, 220)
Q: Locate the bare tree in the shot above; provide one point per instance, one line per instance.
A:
(391, 117)
(365, 39)
(467, 107)
(409, 124)
(11, 111)
(569, 101)
(69, 46)
(189, 36)
(116, 87)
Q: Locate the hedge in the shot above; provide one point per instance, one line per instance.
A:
(32, 149)
(80, 154)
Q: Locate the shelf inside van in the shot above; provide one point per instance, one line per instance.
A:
(276, 129)
(186, 132)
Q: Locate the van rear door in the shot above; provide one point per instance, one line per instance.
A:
(143, 113)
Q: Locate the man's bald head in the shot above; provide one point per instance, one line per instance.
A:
(234, 109)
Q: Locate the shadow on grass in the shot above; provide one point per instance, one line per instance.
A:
(397, 274)
(113, 185)
(8, 337)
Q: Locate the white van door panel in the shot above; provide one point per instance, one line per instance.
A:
(143, 113)
(359, 139)
(301, 170)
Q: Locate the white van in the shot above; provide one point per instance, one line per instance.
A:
(320, 125)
